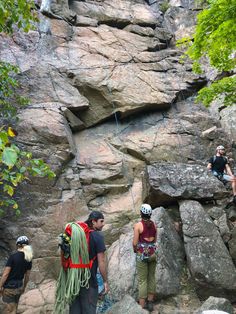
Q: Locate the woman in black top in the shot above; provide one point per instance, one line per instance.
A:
(16, 275)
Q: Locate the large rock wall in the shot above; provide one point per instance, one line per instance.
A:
(112, 111)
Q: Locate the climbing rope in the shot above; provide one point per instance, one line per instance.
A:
(71, 280)
(124, 168)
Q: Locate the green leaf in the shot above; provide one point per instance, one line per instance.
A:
(18, 213)
(3, 137)
(36, 171)
(9, 157)
(23, 169)
(9, 189)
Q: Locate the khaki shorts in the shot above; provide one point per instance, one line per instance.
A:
(11, 295)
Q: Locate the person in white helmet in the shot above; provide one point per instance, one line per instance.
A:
(144, 245)
(16, 275)
(220, 168)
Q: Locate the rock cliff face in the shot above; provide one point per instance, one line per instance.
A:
(112, 111)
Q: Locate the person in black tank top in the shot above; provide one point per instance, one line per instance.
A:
(144, 245)
(16, 275)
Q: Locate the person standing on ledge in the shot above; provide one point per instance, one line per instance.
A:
(220, 168)
(144, 245)
(16, 275)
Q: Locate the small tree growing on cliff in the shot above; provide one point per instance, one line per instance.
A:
(215, 38)
(16, 165)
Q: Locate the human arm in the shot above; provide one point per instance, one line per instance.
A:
(228, 170)
(156, 234)
(103, 270)
(136, 236)
(210, 163)
(5, 275)
(209, 166)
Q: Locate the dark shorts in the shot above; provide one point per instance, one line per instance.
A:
(11, 295)
(85, 302)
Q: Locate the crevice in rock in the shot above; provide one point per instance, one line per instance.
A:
(115, 24)
(191, 90)
(122, 24)
(159, 46)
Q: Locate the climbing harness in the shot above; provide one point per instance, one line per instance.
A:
(146, 250)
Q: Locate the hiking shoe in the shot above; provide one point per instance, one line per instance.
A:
(150, 306)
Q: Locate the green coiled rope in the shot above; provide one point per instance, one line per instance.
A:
(70, 281)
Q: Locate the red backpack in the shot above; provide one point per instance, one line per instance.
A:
(65, 242)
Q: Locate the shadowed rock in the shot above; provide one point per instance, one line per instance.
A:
(169, 182)
(208, 258)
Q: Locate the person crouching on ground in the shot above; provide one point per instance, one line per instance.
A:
(144, 245)
(16, 275)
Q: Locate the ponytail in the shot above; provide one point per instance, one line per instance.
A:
(28, 251)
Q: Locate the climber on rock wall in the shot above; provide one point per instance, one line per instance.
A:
(220, 168)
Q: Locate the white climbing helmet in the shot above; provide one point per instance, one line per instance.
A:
(146, 209)
(220, 147)
(22, 240)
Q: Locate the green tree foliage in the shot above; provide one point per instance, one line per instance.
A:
(18, 13)
(215, 38)
(16, 165)
(9, 100)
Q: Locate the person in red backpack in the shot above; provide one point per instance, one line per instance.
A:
(86, 301)
(144, 245)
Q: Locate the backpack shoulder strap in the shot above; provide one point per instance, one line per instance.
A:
(88, 232)
(214, 159)
(86, 229)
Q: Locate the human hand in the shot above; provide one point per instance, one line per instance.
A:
(106, 287)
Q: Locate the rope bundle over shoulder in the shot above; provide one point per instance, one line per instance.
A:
(72, 279)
